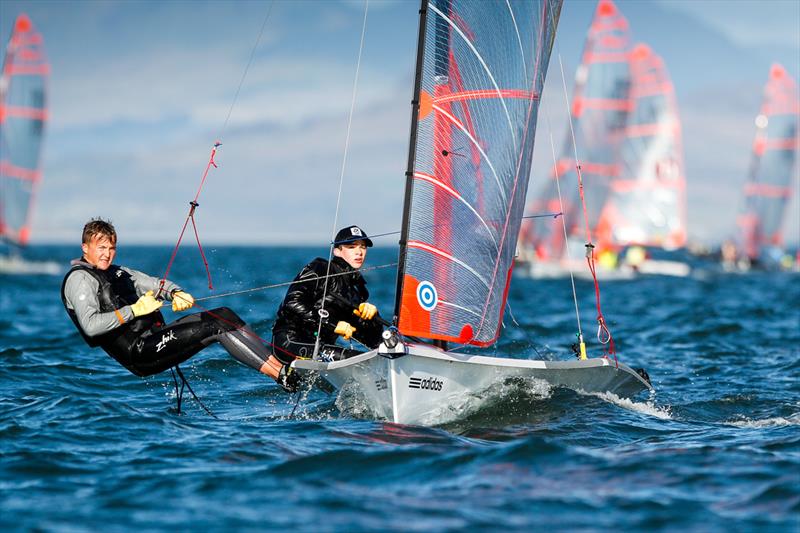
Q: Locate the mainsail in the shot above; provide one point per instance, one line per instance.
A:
(23, 113)
(647, 204)
(481, 69)
(599, 112)
(769, 186)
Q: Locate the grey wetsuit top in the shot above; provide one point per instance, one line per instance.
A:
(80, 292)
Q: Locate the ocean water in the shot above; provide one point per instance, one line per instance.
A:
(85, 446)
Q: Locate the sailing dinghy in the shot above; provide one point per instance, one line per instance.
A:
(480, 71)
(769, 184)
(599, 115)
(23, 114)
(646, 207)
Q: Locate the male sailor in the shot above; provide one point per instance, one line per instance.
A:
(329, 300)
(117, 309)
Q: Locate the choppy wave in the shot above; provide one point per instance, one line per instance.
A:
(778, 421)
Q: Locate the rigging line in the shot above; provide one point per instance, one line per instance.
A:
(574, 146)
(287, 283)
(558, 189)
(603, 333)
(564, 227)
(546, 215)
(193, 204)
(322, 311)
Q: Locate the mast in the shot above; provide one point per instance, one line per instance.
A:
(412, 155)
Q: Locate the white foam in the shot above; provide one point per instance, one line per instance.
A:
(778, 421)
(648, 408)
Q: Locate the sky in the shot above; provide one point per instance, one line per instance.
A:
(140, 91)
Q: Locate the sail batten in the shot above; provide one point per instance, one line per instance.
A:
(481, 73)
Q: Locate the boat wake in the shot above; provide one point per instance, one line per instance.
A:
(648, 408)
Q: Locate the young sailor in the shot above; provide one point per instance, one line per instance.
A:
(116, 308)
(341, 302)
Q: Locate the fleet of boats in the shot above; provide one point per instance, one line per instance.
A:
(624, 142)
(613, 207)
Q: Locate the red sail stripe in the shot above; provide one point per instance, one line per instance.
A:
(644, 130)
(487, 94)
(765, 189)
(635, 185)
(605, 57)
(13, 171)
(601, 169)
(605, 104)
(24, 112)
(780, 144)
(27, 70)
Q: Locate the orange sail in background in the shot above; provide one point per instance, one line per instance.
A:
(647, 203)
(23, 114)
(769, 185)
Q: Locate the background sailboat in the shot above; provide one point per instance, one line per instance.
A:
(769, 184)
(23, 114)
(646, 206)
(600, 107)
(480, 72)
(633, 177)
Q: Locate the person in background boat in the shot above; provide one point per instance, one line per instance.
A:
(342, 302)
(117, 309)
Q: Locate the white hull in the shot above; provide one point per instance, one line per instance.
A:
(656, 267)
(422, 385)
(561, 269)
(579, 269)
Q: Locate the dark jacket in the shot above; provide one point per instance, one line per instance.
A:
(298, 314)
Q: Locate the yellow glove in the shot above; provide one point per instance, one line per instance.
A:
(181, 301)
(367, 311)
(344, 329)
(145, 305)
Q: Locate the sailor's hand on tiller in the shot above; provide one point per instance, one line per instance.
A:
(366, 311)
(344, 329)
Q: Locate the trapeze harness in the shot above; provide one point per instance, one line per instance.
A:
(145, 345)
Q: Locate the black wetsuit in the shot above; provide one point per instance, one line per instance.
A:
(145, 345)
(298, 316)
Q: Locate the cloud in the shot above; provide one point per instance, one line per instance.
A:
(749, 24)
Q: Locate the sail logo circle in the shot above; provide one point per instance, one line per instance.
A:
(427, 296)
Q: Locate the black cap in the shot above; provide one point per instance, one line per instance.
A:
(351, 234)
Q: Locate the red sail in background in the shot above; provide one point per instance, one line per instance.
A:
(600, 107)
(23, 113)
(647, 204)
(769, 185)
